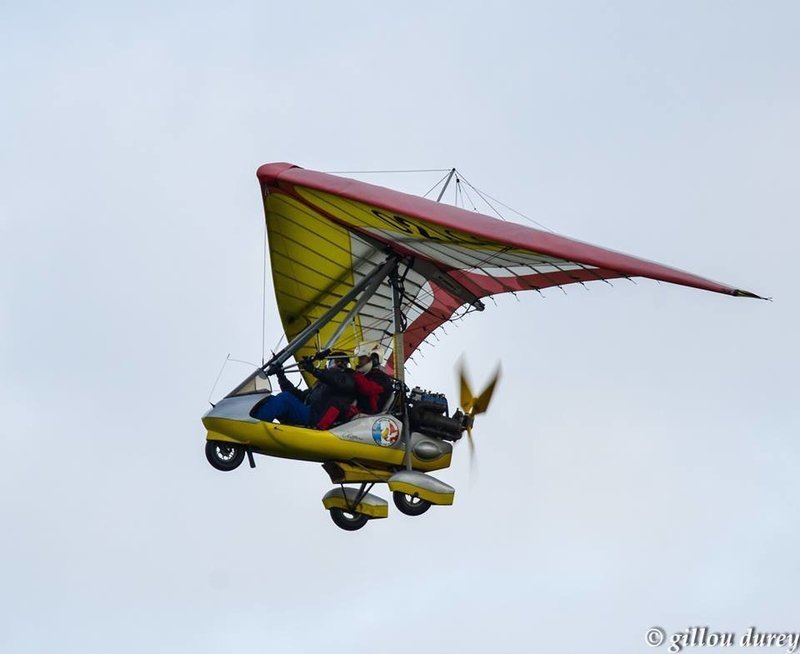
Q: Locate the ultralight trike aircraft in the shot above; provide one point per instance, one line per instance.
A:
(353, 263)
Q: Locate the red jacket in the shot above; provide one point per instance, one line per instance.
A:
(367, 393)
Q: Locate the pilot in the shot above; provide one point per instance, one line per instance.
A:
(373, 395)
(319, 406)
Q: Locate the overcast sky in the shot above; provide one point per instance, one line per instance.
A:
(639, 463)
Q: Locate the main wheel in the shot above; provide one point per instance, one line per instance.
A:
(410, 504)
(348, 520)
(224, 456)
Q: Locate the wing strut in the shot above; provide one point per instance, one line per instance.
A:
(365, 297)
(399, 327)
(377, 275)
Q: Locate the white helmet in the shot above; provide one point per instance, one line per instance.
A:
(373, 351)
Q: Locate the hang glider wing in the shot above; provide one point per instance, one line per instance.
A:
(326, 233)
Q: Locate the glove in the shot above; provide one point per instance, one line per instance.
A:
(306, 364)
(319, 356)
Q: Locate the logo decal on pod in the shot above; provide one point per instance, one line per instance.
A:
(385, 432)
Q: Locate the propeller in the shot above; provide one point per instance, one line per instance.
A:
(473, 405)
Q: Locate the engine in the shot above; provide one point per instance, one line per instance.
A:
(428, 411)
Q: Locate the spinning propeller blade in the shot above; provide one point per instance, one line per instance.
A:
(481, 403)
(471, 405)
(467, 398)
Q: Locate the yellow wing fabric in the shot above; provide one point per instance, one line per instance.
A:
(315, 262)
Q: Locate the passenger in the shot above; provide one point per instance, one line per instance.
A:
(367, 394)
(340, 382)
(318, 406)
(373, 396)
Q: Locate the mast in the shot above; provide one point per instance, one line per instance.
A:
(447, 181)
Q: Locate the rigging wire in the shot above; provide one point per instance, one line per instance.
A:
(280, 340)
(469, 197)
(486, 195)
(378, 172)
(219, 374)
(489, 204)
(436, 184)
(216, 381)
(249, 363)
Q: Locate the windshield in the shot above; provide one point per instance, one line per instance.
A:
(258, 382)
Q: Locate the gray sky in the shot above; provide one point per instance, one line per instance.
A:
(638, 466)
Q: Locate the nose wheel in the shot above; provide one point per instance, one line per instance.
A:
(224, 456)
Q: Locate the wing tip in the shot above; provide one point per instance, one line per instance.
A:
(740, 293)
(269, 173)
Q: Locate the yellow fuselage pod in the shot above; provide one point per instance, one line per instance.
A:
(343, 498)
(228, 422)
(417, 484)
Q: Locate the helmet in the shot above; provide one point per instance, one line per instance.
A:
(338, 358)
(369, 356)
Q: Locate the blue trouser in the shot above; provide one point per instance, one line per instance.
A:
(286, 408)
